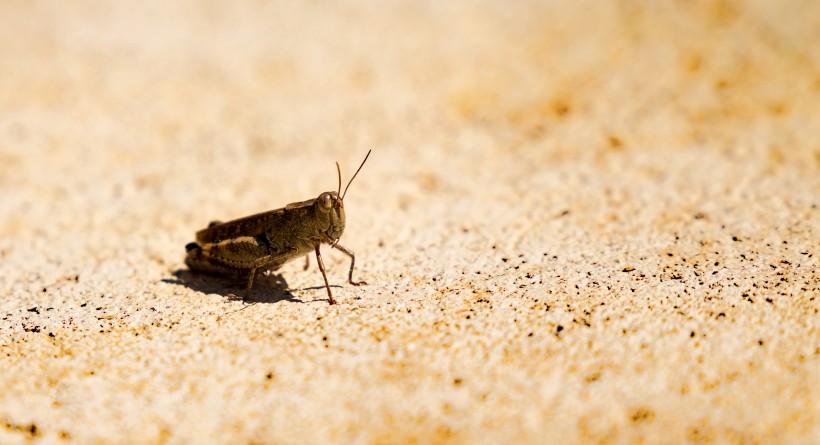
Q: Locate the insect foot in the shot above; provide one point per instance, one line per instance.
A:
(265, 241)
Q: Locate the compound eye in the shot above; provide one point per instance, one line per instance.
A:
(327, 201)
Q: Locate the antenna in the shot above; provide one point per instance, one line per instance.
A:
(339, 171)
(354, 175)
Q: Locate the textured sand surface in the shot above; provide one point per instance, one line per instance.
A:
(582, 222)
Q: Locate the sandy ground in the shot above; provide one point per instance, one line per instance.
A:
(582, 222)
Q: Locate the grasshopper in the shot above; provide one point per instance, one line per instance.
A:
(264, 242)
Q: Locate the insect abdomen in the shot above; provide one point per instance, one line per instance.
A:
(230, 257)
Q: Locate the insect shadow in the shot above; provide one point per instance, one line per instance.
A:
(273, 287)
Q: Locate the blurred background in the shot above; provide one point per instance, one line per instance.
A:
(229, 97)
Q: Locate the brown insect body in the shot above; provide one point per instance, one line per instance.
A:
(268, 240)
